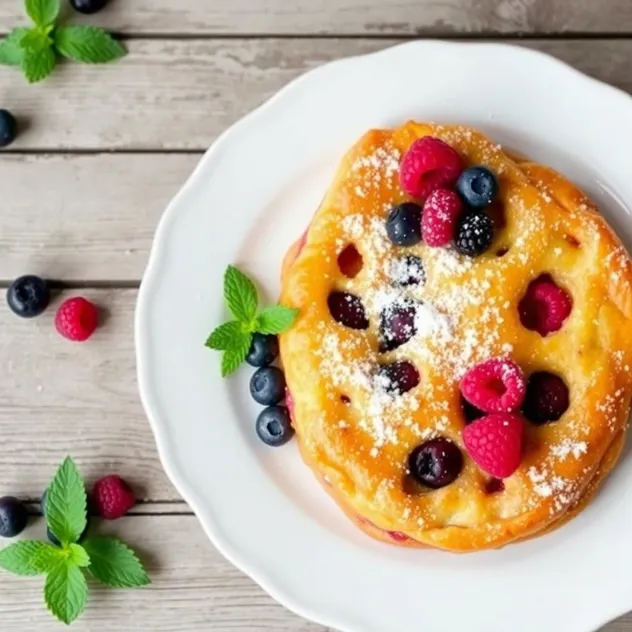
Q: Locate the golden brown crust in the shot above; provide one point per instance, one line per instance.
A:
(359, 449)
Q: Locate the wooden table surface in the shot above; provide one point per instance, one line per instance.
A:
(101, 153)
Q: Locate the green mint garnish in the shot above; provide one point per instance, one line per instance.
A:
(108, 560)
(114, 564)
(235, 336)
(66, 503)
(36, 50)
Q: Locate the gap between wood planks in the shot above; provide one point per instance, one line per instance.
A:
(142, 508)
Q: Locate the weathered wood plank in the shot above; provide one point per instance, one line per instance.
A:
(58, 397)
(354, 17)
(181, 94)
(193, 588)
(624, 624)
(77, 217)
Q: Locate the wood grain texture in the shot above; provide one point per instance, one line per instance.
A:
(193, 589)
(89, 216)
(181, 94)
(353, 17)
(59, 397)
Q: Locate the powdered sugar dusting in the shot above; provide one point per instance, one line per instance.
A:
(567, 448)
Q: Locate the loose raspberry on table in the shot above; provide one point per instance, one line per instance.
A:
(495, 386)
(545, 306)
(441, 213)
(76, 319)
(112, 497)
(495, 443)
(428, 165)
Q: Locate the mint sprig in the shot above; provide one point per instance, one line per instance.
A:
(36, 50)
(234, 337)
(108, 560)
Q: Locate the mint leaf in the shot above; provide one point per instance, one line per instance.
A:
(37, 65)
(66, 592)
(77, 555)
(276, 320)
(35, 40)
(11, 53)
(87, 44)
(42, 12)
(225, 336)
(66, 503)
(114, 564)
(236, 354)
(28, 557)
(240, 294)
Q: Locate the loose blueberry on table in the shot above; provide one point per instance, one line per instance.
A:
(13, 517)
(28, 296)
(88, 6)
(274, 426)
(267, 386)
(8, 128)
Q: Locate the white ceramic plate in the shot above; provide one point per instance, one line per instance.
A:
(250, 197)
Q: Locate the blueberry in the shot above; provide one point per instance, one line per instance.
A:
(408, 271)
(435, 463)
(13, 517)
(477, 186)
(263, 350)
(403, 225)
(474, 234)
(88, 6)
(49, 534)
(8, 128)
(398, 378)
(267, 386)
(348, 310)
(397, 325)
(28, 296)
(274, 426)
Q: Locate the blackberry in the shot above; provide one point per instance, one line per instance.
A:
(474, 234)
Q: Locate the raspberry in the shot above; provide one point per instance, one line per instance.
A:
(547, 398)
(441, 213)
(289, 403)
(495, 386)
(76, 319)
(428, 165)
(545, 306)
(495, 443)
(112, 497)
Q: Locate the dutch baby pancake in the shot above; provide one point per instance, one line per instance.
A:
(459, 373)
